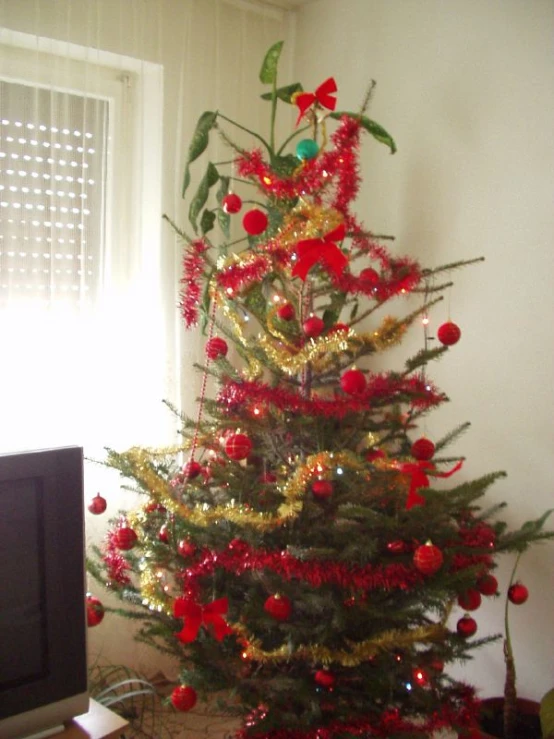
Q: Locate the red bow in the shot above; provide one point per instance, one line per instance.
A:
(419, 479)
(322, 95)
(196, 616)
(311, 251)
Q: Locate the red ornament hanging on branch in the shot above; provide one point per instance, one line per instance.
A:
(313, 327)
(192, 469)
(449, 333)
(518, 593)
(186, 548)
(231, 203)
(238, 446)
(470, 600)
(184, 698)
(286, 312)
(97, 505)
(466, 626)
(423, 449)
(325, 678)
(487, 585)
(322, 489)
(255, 222)
(278, 606)
(95, 610)
(216, 348)
(353, 382)
(428, 558)
(125, 537)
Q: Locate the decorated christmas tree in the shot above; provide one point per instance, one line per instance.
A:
(299, 553)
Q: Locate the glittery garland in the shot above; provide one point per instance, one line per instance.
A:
(459, 708)
(193, 270)
(357, 652)
(240, 271)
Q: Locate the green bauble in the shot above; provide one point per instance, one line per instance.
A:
(306, 149)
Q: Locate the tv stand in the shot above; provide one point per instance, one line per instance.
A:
(98, 723)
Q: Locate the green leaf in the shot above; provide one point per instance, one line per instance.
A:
(535, 526)
(547, 714)
(207, 221)
(354, 311)
(268, 72)
(199, 200)
(284, 93)
(198, 143)
(223, 218)
(206, 302)
(377, 131)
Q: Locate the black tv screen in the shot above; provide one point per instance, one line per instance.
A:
(42, 581)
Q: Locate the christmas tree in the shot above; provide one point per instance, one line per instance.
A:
(295, 553)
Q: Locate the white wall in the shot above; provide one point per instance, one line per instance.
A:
(467, 90)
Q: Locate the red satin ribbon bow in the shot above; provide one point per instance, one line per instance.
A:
(196, 616)
(311, 251)
(322, 95)
(419, 479)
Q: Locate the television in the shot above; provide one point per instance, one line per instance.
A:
(43, 663)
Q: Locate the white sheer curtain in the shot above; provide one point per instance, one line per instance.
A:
(88, 358)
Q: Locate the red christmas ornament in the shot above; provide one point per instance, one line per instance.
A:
(231, 203)
(322, 489)
(216, 348)
(420, 677)
(338, 327)
(186, 548)
(313, 326)
(286, 312)
(487, 585)
(325, 678)
(184, 698)
(466, 626)
(255, 222)
(422, 449)
(97, 505)
(428, 558)
(95, 610)
(369, 276)
(278, 606)
(238, 446)
(124, 537)
(268, 478)
(192, 469)
(397, 547)
(353, 382)
(437, 664)
(163, 534)
(448, 333)
(154, 508)
(470, 600)
(518, 593)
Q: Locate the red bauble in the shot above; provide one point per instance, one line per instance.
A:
(97, 505)
(353, 382)
(286, 312)
(184, 698)
(268, 478)
(255, 222)
(192, 469)
(124, 537)
(163, 534)
(231, 203)
(437, 664)
(518, 593)
(154, 508)
(313, 326)
(487, 585)
(448, 333)
(466, 626)
(397, 547)
(322, 489)
(95, 610)
(470, 600)
(325, 678)
(422, 449)
(186, 548)
(338, 327)
(216, 348)
(369, 276)
(428, 558)
(238, 446)
(278, 606)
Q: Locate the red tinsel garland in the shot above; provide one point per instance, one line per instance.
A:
(240, 558)
(193, 268)
(419, 393)
(463, 711)
(237, 277)
(116, 564)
